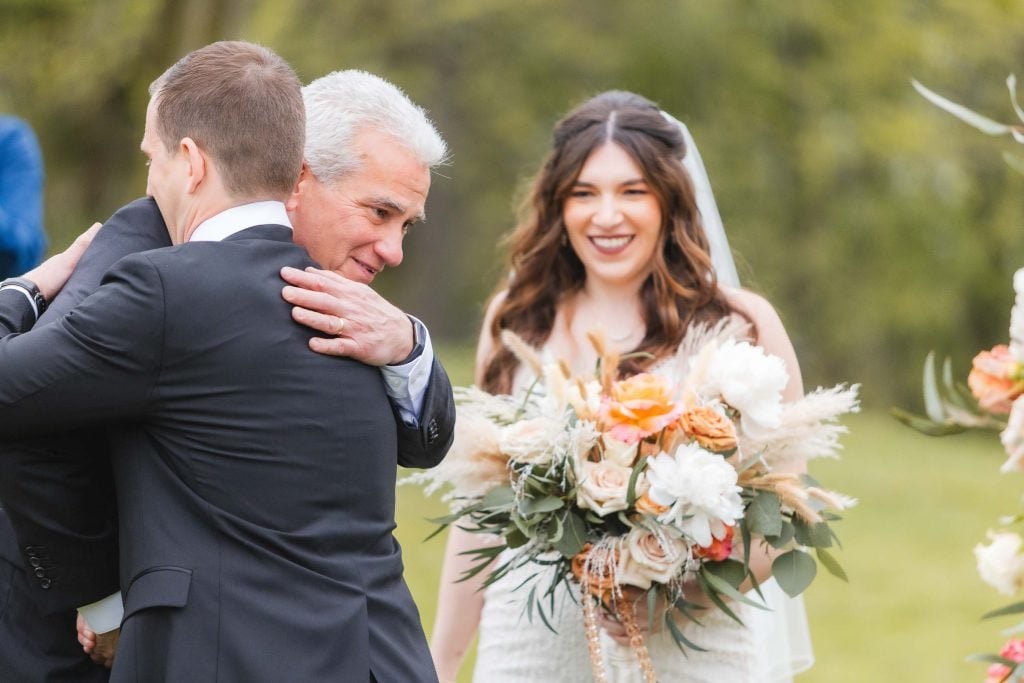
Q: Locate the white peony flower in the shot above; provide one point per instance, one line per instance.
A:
(700, 490)
(532, 441)
(1017, 317)
(1013, 438)
(602, 486)
(749, 380)
(1000, 563)
(650, 557)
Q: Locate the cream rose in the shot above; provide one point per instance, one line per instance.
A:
(650, 557)
(1000, 564)
(602, 486)
(619, 451)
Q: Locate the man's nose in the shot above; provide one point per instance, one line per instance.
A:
(389, 248)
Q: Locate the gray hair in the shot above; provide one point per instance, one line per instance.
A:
(342, 103)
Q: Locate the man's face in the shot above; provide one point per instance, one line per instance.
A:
(355, 225)
(164, 180)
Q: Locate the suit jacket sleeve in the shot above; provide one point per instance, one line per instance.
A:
(426, 444)
(95, 366)
(58, 491)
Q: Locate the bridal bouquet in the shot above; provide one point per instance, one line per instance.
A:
(992, 399)
(667, 481)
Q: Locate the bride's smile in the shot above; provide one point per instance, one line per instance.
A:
(613, 218)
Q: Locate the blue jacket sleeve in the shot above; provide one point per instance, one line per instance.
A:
(22, 240)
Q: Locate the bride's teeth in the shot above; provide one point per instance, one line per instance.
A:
(611, 242)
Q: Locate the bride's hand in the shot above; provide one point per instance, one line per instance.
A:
(638, 599)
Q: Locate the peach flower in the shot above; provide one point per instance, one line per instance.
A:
(709, 428)
(720, 548)
(1014, 651)
(645, 504)
(639, 406)
(996, 379)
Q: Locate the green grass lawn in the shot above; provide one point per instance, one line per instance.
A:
(911, 610)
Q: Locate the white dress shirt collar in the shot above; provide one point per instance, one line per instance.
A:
(238, 218)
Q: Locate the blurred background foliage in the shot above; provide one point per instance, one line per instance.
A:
(879, 226)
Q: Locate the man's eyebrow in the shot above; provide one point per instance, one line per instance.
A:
(391, 204)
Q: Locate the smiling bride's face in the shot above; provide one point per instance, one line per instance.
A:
(613, 218)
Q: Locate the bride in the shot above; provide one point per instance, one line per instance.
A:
(620, 234)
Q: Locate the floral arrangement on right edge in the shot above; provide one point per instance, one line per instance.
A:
(993, 399)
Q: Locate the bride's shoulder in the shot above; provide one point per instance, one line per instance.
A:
(769, 332)
(753, 307)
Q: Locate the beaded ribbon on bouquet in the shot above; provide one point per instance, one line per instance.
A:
(606, 589)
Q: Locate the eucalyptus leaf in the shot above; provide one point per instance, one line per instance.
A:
(991, 659)
(831, 564)
(731, 571)
(925, 425)
(681, 641)
(724, 587)
(631, 489)
(533, 506)
(783, 539)
(1015, 608)
(816, 535)
(714, 595)
(515, 538)
(500, 496)
(574, 536)
(794, 571)
(763, 515)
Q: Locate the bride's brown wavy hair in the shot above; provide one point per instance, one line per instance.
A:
(544, 270)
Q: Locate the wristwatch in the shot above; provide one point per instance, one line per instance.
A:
(29, 288)
(419, 331)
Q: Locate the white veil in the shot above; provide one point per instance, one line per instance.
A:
(785, 639)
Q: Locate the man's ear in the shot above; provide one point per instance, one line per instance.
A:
(305, 177)
(196, 160)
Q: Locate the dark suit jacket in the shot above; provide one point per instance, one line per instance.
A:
(59, 492)
(256, 495)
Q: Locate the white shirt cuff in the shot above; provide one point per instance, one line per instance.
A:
(406, 384)
(104, 615)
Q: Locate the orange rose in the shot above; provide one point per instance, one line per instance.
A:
(639, 406)
(996, 378)
(601, 580)
(720, 549)
(645, 504)
(710, 428)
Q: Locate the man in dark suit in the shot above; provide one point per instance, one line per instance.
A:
(241, 469)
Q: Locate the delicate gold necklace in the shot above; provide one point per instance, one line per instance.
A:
(622, 337)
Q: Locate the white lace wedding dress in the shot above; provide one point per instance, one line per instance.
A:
(770, 647)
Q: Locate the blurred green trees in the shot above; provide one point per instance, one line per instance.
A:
(879, 226)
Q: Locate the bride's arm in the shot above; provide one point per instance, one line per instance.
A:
(771, 336)
(459, 604)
